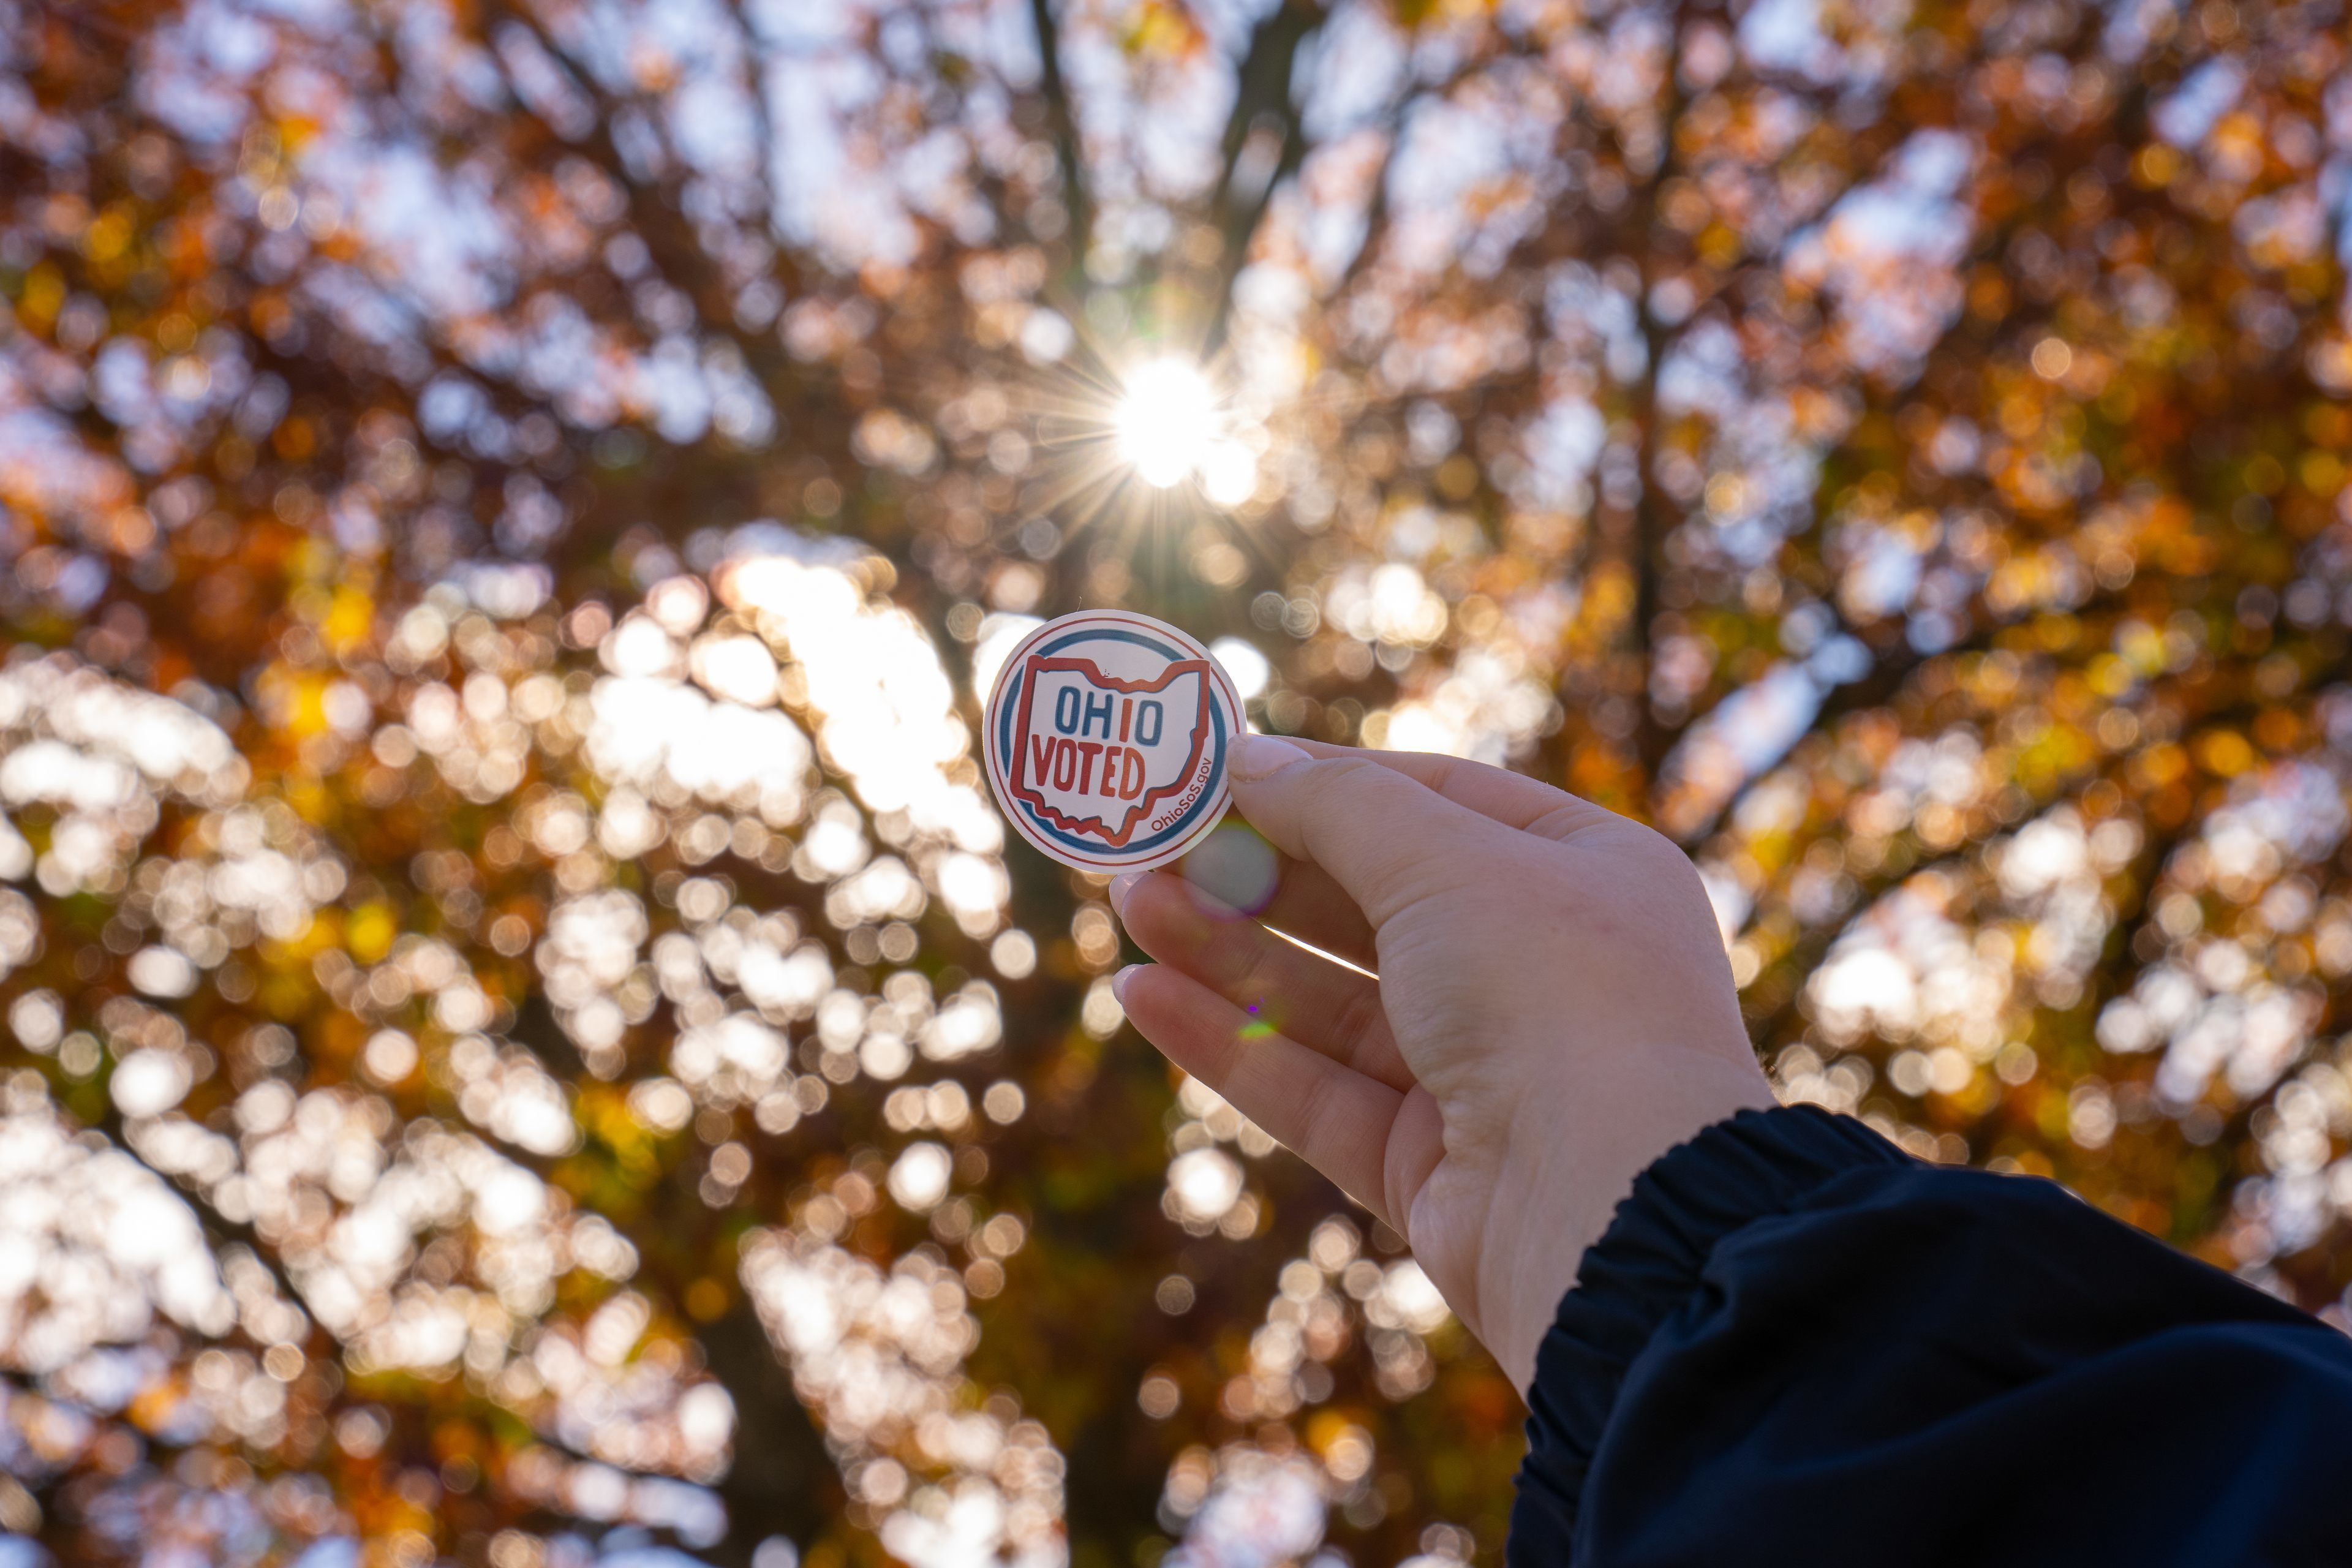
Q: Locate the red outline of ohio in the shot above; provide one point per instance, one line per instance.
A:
(1094, 827)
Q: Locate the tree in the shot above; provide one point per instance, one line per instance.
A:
(526, 1037)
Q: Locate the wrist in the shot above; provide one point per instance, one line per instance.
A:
(1571, 1157)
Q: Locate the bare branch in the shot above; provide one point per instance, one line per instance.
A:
(655, 216)
(755, 57)
(783, 1481)
(1653, 517)
(219, 1229)
(1400, 110)
(1264, 108)
(1068, 149)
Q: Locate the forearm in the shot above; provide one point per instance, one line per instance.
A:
(1796, 1345)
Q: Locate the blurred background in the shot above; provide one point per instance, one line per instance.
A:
(526, 1043)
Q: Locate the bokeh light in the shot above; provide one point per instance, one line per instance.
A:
(524, 1039)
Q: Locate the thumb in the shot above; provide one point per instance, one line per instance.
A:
(1386, 839)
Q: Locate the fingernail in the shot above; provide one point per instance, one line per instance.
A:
(1120, 887)
(1255, 756)
(1119, 983)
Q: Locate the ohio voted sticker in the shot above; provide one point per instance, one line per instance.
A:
(1106, 737)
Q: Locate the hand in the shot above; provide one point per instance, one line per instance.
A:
(1552, 1008)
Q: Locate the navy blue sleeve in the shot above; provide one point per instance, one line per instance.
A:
(1795, 1344)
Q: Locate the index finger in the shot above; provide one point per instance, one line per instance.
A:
(1385, 837)
(1242, 871)
(1510, 798)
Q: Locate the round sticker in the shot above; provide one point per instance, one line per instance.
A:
(1106, 737)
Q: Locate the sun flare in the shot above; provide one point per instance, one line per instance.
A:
(1165, 421)
(1170, 425)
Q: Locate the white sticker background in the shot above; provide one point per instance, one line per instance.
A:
(1107, 739)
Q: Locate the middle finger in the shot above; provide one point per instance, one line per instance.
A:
(1315, 1002)
(1239, 869)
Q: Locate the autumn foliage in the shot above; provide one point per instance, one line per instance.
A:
(526, 1039)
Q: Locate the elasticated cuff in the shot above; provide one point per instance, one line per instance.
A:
(1758, 1164)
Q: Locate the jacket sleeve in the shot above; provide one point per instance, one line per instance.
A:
(1796, 1345)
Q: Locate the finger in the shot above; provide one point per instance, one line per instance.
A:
(1333, 1117)
(1236, 868)
(1309, 905)
(1384, 837)
(1512, 799)
(1309, 999)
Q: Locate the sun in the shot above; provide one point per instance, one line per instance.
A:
(1166, 421)
(1152, 438)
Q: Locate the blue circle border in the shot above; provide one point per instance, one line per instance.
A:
(1095, 847)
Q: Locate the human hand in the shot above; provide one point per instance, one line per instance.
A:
(1552, 1009)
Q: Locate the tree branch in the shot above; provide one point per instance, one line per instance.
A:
(755, 57)
(219, 1229)
(1376, 217)
(1068, 149)
(1885, 678)
(783, 1481)
(655, 217)
(1652, 519)
(1262, 91)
